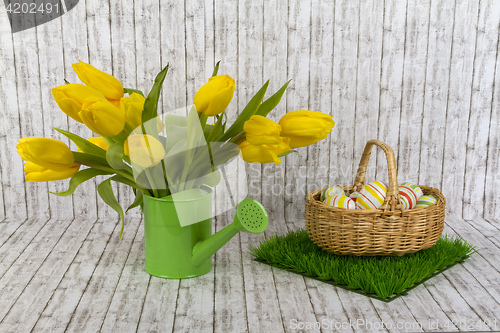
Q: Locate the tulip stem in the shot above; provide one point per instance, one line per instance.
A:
(203, 119)
(238, 138)
(151, 182)
(118, 172)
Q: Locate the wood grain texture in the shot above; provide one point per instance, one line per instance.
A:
(50, 44)
(12, 178)
(414, 71)
(370, 33)
(344, 92)
(124, 67)
(250, 60)
(480, 114)
(274, 69)
(226, 49)
(320, 88)
(30, 104)
(125, 308)
(41, 287)
(75, 47)
(457, 113)
(391, 80)
(291, 289)
(101, 288)
(100, 56)
(60, 308)
(421, 76)
(492, 183)
(28, 263)
(77, 276)
(297, 98)
(436, 91)
(173, 52)
(15, 238)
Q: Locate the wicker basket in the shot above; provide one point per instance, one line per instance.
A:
(389, 230)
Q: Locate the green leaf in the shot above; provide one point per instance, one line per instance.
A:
(151, 104)
(79, 178)
(85, 145)
(247, 112)
(90, 159)
(217, 129)
(66, 81)
(120, 138)
(114, 156)
(288, 152)
(131, 91)
(123, 180)
(139, 198)
(216, 69)
(270, 103)
(106, 193)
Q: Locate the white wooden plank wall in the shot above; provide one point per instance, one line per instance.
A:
(423, 76)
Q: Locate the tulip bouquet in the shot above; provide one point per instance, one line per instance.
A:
(158, 157)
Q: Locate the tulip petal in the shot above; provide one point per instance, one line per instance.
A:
(106, 84)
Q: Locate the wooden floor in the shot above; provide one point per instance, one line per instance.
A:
(58, 276)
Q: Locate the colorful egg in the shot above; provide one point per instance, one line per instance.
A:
(340, 201)
(354, 195)
(331, 192)
(425, 201)
(372, 195)
(407, 196)
(416, 188)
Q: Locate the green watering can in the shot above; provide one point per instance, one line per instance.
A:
(174, 251)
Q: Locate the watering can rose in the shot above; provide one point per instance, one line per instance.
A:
(48, 153)
(106, 84)
(215, 95)
(263, 153)
(144, 150)
(262, 131)
(38, 173)
(102, 117)
(305, 127)
(70, 97)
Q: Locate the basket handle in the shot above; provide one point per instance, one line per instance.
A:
(392, 201)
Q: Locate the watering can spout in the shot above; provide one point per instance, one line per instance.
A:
(250, 217)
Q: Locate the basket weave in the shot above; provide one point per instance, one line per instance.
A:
(389, 230)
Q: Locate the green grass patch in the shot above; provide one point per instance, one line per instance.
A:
(381, 277)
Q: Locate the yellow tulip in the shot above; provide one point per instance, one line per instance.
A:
(132, 107)
(264, 153)
(38, 173)
(144, 150)
(261, 131)
(215, 95)
(107, 84)
(98, 141)
(48, 153)
(305, 127)
(102, 117)
(70, 97)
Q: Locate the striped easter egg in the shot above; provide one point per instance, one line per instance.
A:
(354, 195)
(372, 195)
(331, 192)
(340, 201)
(425, 201)
(407, 196)
(416, 188)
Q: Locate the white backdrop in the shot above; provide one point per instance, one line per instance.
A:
(422, 76)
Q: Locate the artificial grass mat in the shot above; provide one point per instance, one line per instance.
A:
(381, 277)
